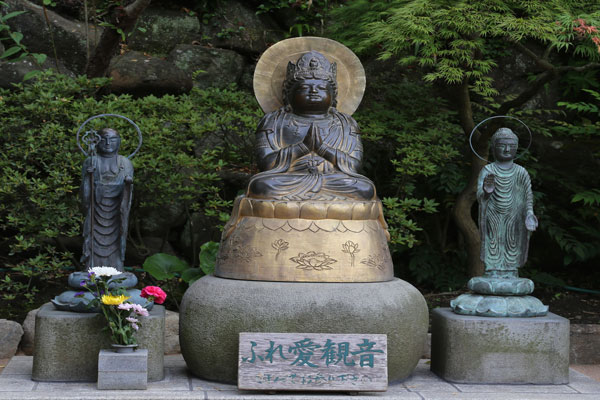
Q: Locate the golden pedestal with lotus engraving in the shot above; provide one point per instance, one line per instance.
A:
(305, 241)
(309, 215)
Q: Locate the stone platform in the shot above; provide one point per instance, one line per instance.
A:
(215, 310)
(67, 344)
(16, 384)
(468, 349)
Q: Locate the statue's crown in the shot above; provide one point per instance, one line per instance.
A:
(312, 65)
(504, 133)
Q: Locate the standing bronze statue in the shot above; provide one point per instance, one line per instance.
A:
(506, 217)
(506, 221)
(106, 192)
(308, 215)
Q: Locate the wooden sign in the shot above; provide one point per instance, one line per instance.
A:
(312, 361)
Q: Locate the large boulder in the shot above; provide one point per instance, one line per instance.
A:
(69, 8)
(155, 221)
(234, 25)
(29, 332)
(10, 336)
(198, 228)
(209, 67)
(141, 75)
(164, 29)
(14, 72)
(247, 78)
(66, 36)
(513, 74)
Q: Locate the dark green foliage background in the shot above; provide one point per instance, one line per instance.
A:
(415, 151)
(187, 141)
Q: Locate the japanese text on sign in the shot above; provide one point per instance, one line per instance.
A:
(297, 361)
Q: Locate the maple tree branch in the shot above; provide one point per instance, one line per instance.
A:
(540, 61)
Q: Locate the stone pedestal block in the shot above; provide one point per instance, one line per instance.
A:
(67, 344)
(123, 370)
(467, 349)
(215, 310)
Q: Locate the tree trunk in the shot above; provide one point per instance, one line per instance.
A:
(124, 19)
(465, 200)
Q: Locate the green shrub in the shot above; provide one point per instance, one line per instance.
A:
(187, 140)
(412, 154)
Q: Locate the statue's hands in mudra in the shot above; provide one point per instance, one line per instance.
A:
(489, 184)
(313, 140)
(531, 222)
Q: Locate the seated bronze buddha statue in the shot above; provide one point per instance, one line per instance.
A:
(307, 150)
(308, 216)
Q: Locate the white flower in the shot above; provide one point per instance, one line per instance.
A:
(104, 271)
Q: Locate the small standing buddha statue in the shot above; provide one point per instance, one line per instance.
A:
(506, 221)
(308, 215)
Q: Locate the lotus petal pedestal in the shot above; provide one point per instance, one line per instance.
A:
(305, 241)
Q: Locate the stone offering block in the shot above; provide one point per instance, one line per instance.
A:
(123, 370)
(468, 349)
(67, 344)
(312, 361)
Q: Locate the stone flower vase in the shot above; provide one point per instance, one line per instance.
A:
(123, 367)
(124, 348)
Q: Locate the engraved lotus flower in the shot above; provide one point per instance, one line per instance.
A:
(313, 260)
(351, 248)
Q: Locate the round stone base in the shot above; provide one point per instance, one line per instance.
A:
(501, 286)
(215, 310)
(498, 306)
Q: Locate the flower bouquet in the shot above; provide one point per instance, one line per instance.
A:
(121, 315)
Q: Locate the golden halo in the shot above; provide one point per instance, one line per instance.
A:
(271, 68)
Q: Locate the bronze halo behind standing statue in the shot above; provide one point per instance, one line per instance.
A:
(506, 221)
(106, 192)
(308, 216)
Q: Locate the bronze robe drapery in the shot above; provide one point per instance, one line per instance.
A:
(502, 214)
(291, 171)
(107, 211)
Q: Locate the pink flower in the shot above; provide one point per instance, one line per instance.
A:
(139, 310)
(154, 293)
(133, 322)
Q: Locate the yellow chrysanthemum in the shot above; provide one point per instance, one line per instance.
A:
(113, 300)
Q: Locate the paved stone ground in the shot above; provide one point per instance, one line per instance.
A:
(593, 371)
(16, 383)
